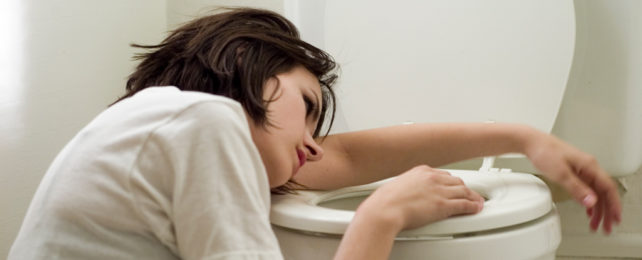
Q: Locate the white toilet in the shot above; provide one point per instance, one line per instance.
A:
(517, 215)
(445, 61)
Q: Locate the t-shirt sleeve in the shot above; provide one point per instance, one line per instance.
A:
(202, 187)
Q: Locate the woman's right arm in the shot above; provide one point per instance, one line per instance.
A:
(415, 198)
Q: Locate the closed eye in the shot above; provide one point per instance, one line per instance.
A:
(310, 107)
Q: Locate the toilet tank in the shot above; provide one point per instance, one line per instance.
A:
(602, 108)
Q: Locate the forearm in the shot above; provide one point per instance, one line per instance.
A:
(433, 144)
(369, 236)
(370, 155)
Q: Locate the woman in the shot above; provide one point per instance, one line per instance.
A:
(229, 107)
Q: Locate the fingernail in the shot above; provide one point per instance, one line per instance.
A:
(589, 200)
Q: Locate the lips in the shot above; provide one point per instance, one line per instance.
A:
(302, 158)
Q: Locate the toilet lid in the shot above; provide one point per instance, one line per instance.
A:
(511, 198)
(442, 60)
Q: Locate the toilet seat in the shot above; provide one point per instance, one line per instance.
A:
(512, 198)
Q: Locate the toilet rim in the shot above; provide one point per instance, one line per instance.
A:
(512, 198)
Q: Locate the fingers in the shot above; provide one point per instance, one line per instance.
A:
(615, 206)
(424, 195)
(597, 216)
(607, 192)
(466, 200)
(607, 223)
(576, 187)
(600, 198)
(460, 199)
(462, 192)
(455, 187)
(608, 208)
(450, 180)
(462, 207)
(427, 169)
(581, 175)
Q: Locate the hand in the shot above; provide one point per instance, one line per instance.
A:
(421, 196)
(581, 175)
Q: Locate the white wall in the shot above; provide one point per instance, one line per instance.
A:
(180, 11)
(61, 63)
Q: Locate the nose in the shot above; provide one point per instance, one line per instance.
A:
(314, 152)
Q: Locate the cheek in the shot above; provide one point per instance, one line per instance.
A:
(291, 118)
(274, 148)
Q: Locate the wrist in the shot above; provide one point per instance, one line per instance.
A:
(529, 139)
(371, 233)
(523, 137)
(374, 213)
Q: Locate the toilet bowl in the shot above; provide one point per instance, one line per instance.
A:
(518, 213)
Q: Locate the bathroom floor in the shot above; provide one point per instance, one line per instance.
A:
(591, 258)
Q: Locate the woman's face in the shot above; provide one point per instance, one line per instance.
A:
(286, 143)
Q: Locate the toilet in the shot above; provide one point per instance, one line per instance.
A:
(461, 61)
(518, 213)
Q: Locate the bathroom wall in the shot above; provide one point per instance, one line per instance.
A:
(63, 61)
(180, 11)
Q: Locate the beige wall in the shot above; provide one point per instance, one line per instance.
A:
(181, 11)
(62, 62)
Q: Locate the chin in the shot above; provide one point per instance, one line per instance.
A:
(277, 182)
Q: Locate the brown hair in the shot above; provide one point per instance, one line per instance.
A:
(233, 54)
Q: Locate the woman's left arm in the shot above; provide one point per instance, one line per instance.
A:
(364, 156)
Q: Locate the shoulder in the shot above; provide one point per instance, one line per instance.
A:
(170, 104)
(184, 116)
(173, 97)
(218, 115)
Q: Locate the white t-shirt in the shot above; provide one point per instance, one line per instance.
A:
(165, 174)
